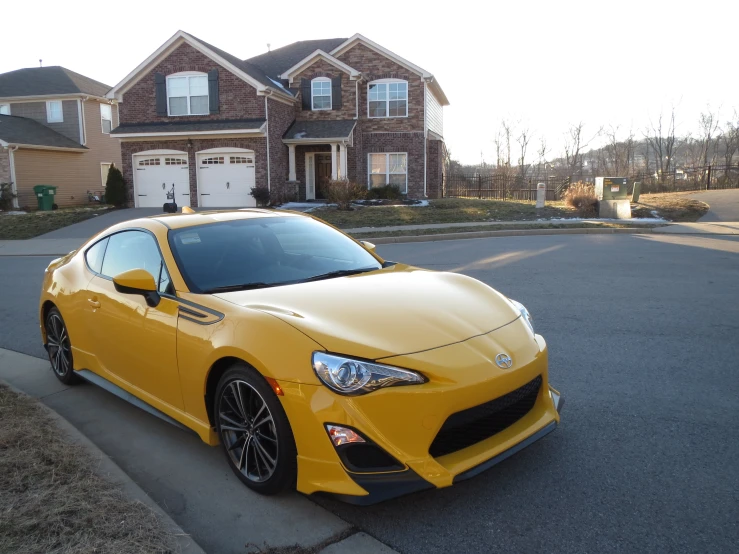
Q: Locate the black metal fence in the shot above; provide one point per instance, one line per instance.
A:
(501, 187)
(710, 177)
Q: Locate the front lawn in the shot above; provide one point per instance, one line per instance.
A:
(52, 499)
(674, 206)
(33, 224)
(446, 210)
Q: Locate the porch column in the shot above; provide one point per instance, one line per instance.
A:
(334, 168)
(291, 158)
(342, 161)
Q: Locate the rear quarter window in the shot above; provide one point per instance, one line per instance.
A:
(94, 255)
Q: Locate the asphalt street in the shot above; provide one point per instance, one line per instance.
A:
(643, 332)
(724, 205)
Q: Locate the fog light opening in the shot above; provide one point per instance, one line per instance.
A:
(342, 435)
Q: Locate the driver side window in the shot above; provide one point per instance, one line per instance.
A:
(135, 250)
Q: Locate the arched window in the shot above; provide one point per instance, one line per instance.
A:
(387, 98)
(187, 93)
(321, 93)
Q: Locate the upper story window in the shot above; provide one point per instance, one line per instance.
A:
(187, 94)
(387, 98)
(4, 109)
(54, 111)
(106, 117)
(321, 93)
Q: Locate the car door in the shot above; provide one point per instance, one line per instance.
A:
(135, 342)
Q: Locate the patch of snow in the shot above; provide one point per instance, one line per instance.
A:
(15, 212)
(419, 204)
(300, 135)
(279, 85)
(303, 206)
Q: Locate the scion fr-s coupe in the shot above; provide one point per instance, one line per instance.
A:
(314, 363)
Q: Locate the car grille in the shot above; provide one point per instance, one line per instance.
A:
(474, 425)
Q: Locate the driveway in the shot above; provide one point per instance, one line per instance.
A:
(642, 331)
(86, 229)
(724, 205)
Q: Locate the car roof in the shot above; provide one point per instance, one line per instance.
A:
(182, 220)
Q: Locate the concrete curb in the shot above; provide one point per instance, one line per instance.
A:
(109, 470)
(507, 233)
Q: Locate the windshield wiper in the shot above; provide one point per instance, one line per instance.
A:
(245, 286)
(339, 273)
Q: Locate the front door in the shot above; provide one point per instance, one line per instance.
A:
(323, 173)
(136, 343)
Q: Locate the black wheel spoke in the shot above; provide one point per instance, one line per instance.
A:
(247, 430)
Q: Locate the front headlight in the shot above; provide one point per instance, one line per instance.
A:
(353, 377)
(524, 313)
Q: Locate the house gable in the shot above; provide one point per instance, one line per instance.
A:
(323, 68)
(319, 55)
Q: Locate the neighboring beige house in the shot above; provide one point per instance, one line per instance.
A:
(55, 130)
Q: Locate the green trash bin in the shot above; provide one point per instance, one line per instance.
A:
(45, 197)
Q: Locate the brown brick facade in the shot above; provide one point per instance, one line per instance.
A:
(258, 144)
(322, 68)
(281, 116)
(4, 166)
(238, 99)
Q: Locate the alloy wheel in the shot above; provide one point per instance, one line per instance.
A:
(248, 431)
(58, 345)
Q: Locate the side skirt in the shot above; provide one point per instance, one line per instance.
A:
(112, 388)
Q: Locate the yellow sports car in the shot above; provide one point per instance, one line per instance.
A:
(315, 363)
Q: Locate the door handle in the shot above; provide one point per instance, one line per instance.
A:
(93, 303)
(228, 185)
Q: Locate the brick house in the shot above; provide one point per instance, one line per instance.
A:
(210, 126)
(55, 129)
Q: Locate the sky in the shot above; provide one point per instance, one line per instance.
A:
(541, 65)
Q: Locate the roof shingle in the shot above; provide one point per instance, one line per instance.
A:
(41, 81)
(21, 130)
(329, 129)
(275, 62)
(189, 126)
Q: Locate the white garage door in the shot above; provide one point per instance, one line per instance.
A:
(225, 179)
(156, 174)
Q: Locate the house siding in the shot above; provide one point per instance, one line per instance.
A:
(238, 99)
(280, 118)
(70, 127)
(321, 68)
(60, 169)
(257, 144)
(103, 148)
(435, 115)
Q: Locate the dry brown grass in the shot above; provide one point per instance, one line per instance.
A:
(53, 501)
(674, 206)
(581, 197)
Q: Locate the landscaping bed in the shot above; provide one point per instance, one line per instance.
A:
(52, 499)
(15, 225)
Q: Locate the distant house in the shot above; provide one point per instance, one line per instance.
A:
(55, 130)
(213, 126)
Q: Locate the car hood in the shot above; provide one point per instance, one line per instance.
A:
(389, 312)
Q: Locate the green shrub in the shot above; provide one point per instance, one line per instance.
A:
(115, 188)
(261, 195)
(581, 196)
(387, 192)
(343, 192)
(6, 196)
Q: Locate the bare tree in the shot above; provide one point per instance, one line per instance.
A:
(661, 139)
(575, 144)
(507, 134)
(730, 139)
(541, 154)
(523, 140)
(708, 126)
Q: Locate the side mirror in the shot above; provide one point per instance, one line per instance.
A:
(368, 245)
(138, 281)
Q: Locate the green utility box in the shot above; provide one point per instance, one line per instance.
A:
(610, 188)
(45, 196)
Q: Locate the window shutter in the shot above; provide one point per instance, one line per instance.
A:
(305, 89)
(161, 93)
(213, 98)
(336, 93)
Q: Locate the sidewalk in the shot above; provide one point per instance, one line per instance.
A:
(60, 247)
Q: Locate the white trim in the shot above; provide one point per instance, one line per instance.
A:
(109, 164)
(310, 164)
(163, 152)
(84, 121)
(48, 111)
(425, 135)
(5, 104)
(226, 150)
(317, 140)
(292, 175)
(188, 133)
(311, 58)
(387, 168)
(165, 49)
(43, 147)
(187, 75)
(13, 179)
(387, 98)
(356, 100)
(330, 94)
(102, 128)
(266, 122)
(81, 122)
(42, 97)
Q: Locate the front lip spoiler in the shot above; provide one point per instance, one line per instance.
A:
(472, 472)
(383, 486)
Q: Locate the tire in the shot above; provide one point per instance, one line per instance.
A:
(260, 450)
(59, 348)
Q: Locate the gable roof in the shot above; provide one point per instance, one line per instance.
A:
(48, 81)
(246, 71)
(276, 62)
(307, 131)
(319, 54)
(21, 130)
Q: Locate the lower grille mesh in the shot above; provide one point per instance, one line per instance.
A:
(481, 422)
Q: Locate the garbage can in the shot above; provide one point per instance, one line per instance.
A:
(45, 197)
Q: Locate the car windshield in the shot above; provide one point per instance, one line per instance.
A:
(264, 252)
